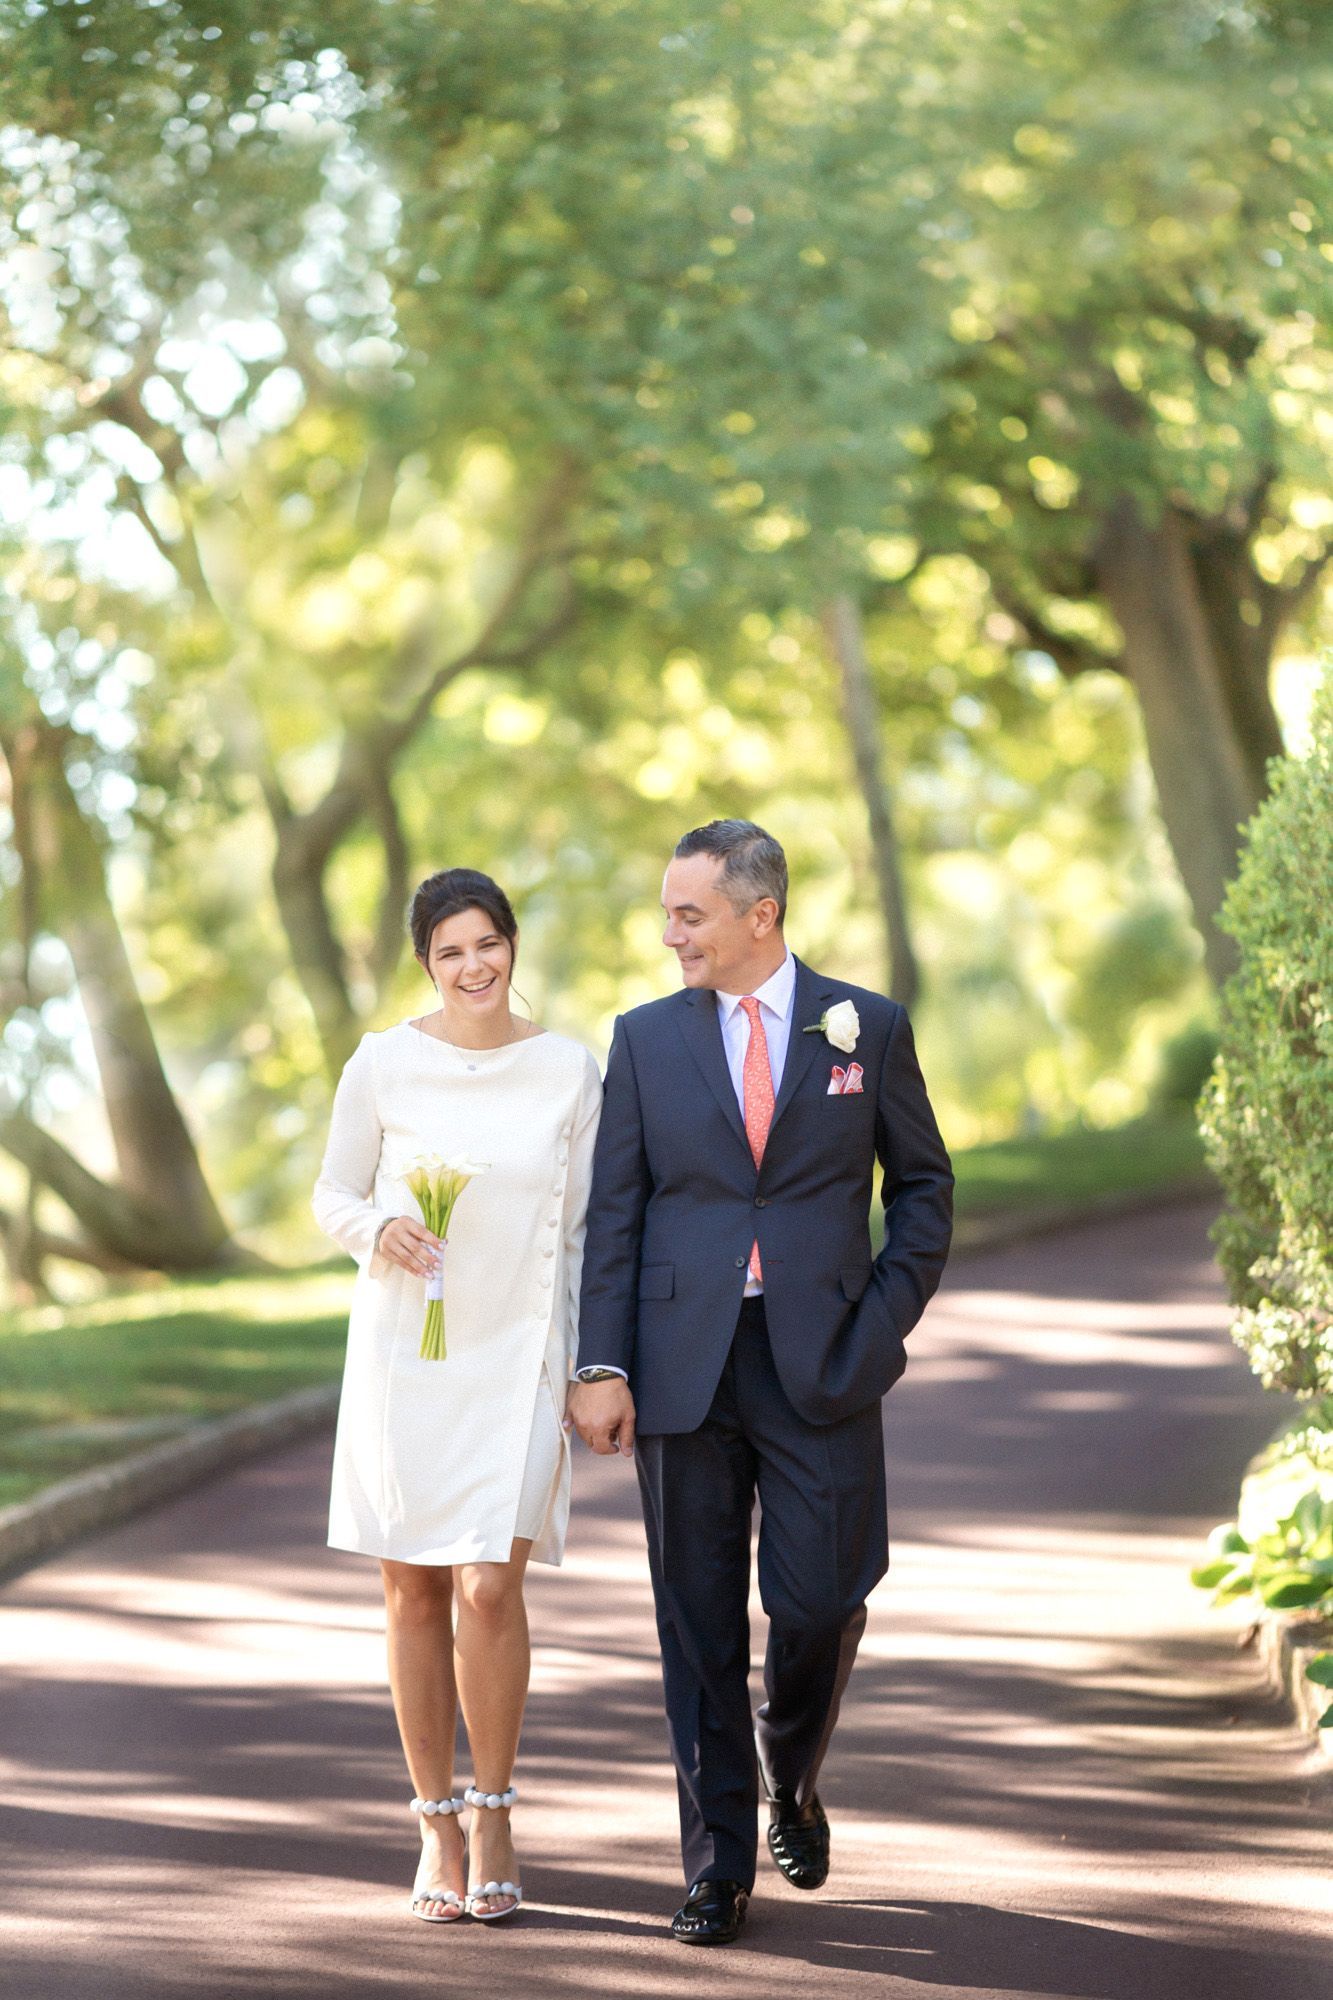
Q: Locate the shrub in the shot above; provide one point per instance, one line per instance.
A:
(1267, 1112)
(1289, 1568)
(1185, 1066)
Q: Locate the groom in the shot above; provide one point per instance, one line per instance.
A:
(734, 1317)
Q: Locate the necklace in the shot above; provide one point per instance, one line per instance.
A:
(462, 1053)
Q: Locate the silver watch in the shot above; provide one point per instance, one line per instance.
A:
(598, 1375)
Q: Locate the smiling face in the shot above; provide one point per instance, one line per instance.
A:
(471, 964)
(720, 949)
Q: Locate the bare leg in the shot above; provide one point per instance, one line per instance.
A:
(418, 1602)
(491, 1661)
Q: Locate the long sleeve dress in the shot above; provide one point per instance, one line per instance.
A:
(448, 1461)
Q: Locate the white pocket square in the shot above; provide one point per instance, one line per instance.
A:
(846, 1082)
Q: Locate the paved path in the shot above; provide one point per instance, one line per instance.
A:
(1055, 1776)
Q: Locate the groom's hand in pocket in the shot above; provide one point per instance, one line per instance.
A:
(603, 1415)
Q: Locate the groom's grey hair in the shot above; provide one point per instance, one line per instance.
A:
(753, 863)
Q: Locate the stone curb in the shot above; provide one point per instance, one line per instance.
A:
(35, 1528)
(93, 1500)
(1286, 1647)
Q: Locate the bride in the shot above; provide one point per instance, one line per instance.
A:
(454, 1472)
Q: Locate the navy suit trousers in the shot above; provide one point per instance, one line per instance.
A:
(823, 1545)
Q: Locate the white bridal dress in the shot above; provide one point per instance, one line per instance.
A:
(447, 1461)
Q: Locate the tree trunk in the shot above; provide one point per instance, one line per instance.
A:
(1245, 617)
(842, 626)
(162, 1213)
(129, 1232)
(25, 1248)
(300, 874)
(1209, 779)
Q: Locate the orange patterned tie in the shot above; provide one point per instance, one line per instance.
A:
(757, 1087)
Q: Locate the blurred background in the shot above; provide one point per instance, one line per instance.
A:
(513, 433)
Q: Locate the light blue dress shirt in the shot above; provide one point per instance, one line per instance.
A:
(776, 999)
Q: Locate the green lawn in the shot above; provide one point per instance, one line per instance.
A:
(1029, 1176)
(87, 1384)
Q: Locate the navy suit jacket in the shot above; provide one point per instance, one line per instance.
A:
(676, 1203)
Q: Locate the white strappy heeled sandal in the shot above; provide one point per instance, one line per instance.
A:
(482, 1892)
(428, 1808)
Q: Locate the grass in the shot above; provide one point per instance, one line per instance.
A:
(1021, 1177)
(82, 1385)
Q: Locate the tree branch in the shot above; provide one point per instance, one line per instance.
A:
(388, 941)
(1071, 656)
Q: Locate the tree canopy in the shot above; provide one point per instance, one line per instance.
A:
(515, 435)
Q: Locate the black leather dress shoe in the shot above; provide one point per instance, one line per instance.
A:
(713, 1913)
(798, 1839)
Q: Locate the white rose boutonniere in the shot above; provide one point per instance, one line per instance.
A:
(840, 1025)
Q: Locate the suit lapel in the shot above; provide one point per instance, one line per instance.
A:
(702, 1030)
(807, 1006)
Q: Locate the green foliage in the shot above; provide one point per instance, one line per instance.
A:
(1288, 1569)
(1187, 1060)
(86, 1384)
(1319, 1670)
(1024, 1177)
(307, 304)
(1267, 1112)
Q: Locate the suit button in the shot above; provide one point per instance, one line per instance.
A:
(761, 1201)
(741, 1263)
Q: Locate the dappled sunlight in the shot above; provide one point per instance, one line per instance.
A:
(1055, 1774)
(1082, 1331)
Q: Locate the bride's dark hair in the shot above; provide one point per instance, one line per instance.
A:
(451, 892)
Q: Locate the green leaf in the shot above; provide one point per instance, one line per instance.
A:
(1326, 1719)
(1291, 1588)
(1240, 1585)
(1320, 1670)
(1209, 1575)
(1228, 1540)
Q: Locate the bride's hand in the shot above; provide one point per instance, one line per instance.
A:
(410, 1245)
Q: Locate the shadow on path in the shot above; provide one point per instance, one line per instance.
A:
(1055, 1776)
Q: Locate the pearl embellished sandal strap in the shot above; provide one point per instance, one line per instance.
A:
(472, 1797)
(429, 1807)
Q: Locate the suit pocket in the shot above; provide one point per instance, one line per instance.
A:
(854, 1279)
(657, 1281)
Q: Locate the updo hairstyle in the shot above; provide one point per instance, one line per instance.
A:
(451, 892)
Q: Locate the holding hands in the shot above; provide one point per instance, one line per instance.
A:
(603, 1415)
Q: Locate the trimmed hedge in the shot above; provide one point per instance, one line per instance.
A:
(1267, 1113)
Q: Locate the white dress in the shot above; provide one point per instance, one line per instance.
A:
(447, 1461)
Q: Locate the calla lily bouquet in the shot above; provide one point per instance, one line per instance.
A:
(436, 1185)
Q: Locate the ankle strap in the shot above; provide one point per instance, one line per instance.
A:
(429, 1807)
(472, 1797)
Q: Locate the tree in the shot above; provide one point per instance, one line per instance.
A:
(1131, 439)
(160, 1211)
